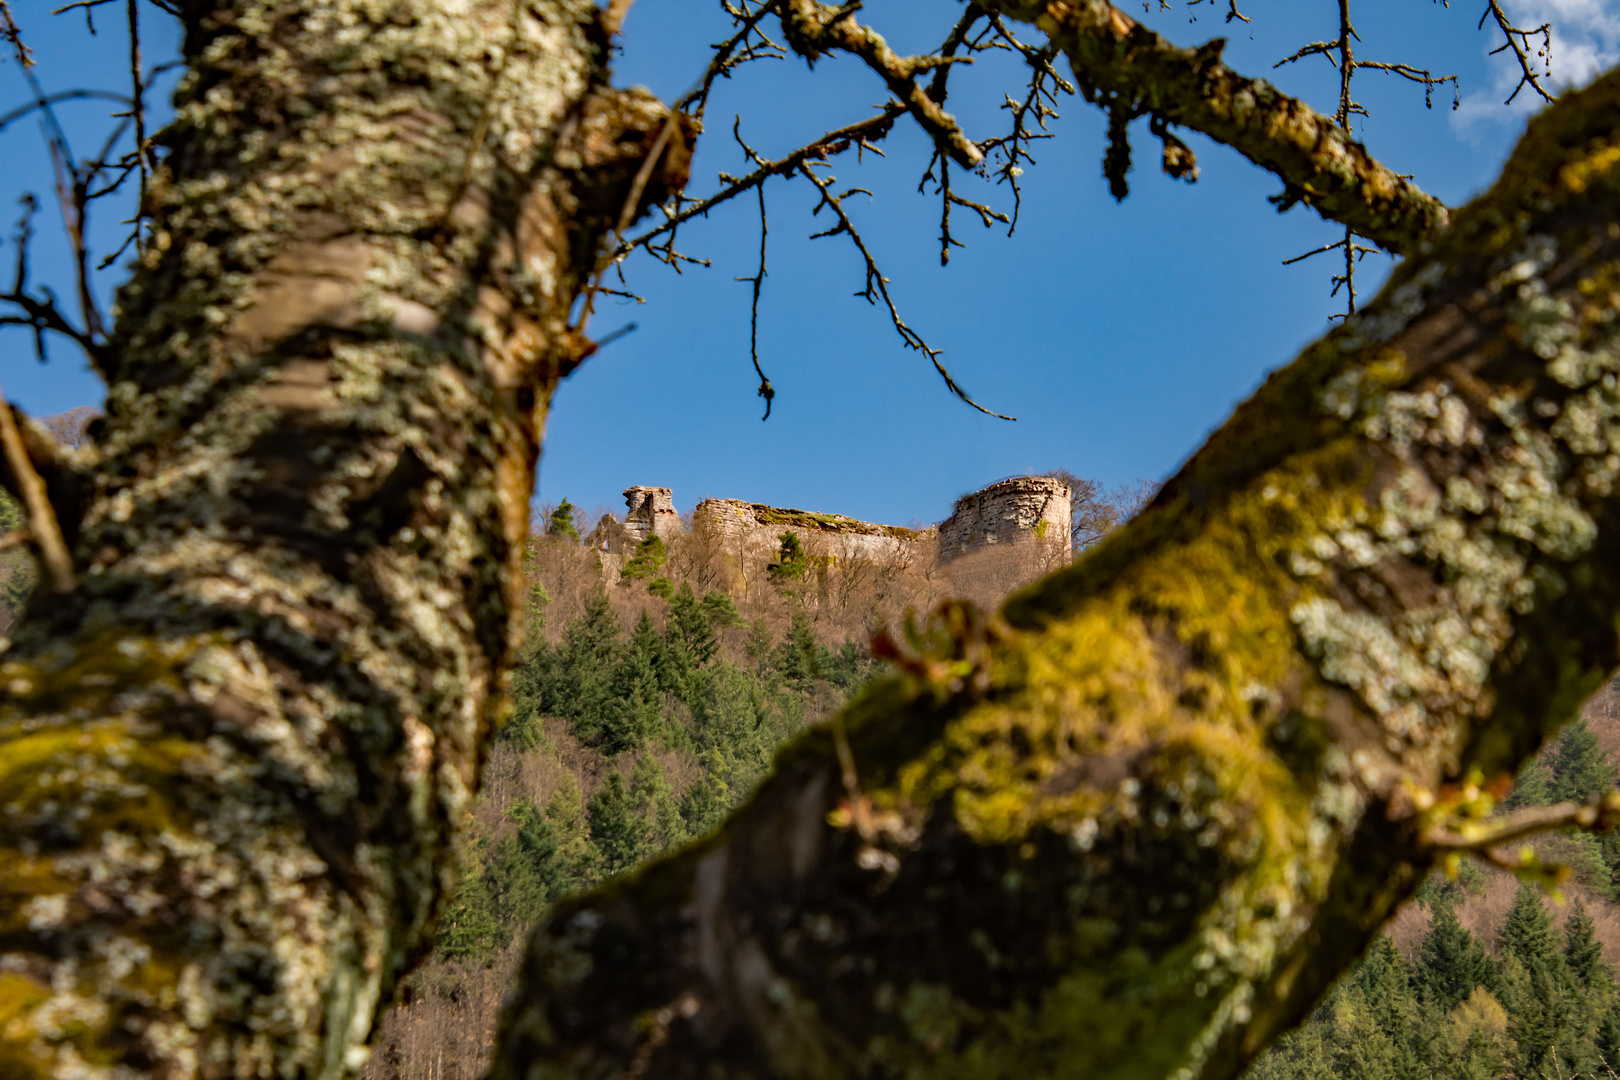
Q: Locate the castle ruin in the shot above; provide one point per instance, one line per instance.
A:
(1020, 510)
(1011, 511)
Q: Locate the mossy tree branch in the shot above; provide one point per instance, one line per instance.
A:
(1117, 59)
(235, 759)
(1134, 827)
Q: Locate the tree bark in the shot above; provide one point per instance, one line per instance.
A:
(1134, 826)
(235, 760)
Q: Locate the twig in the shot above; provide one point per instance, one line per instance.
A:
(766, 391)
(11, 35)
(627, 214)
(878, 286)
(137, 109)
(813, 28)
(1479, 836)
(1518, 40)
(42, 523)
(727, 59)
(830, 144)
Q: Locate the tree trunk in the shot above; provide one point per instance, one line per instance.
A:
(1134, 827)
(235, 761)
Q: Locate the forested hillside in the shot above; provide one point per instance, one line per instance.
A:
(644, 710)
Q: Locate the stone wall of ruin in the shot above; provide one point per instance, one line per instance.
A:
(751, 532)
(1023, 510)
(1020, 510)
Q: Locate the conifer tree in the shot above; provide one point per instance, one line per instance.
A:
(692, 625)
(561, 524)
(1579, 766)
(468, 927)
(577, 680)
(1532, 787)
(792, 561)
(523, 873)
(647, 562)
(656, 804)
(1451, 962)
(722, 610)
(634, 711)
(617, 831)
(1526, 933)
(1583, 953)
(800, 659)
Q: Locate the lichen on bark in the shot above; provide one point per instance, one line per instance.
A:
(1135, 827)
(234, 761)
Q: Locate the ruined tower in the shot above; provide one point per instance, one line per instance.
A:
(1019, 510)
(650, 511)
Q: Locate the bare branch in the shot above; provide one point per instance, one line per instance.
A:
(729, 55)
(1114, 56)
(11, 35)
(834, 142)
(878, 286)
(42, 523)
(766, 391)
(813, 28)
(1518, 40)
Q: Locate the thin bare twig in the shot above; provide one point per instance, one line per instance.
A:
(11, 35)
(727, 58)
(42, 523)
(1518, 40)
(766, 391)
(1341, 54)
(137, 109)
(814, 28)
(877, 286)
(834, 142)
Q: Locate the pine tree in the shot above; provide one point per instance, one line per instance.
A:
(800, 659)
(655, 802)
(522, 872)
(1532, 787)
(648, 560)
(1580, 769)
(792, 561)
(1537, 989)
(1583, 953)
(692, 626)
(1526, 933)
(721, 610)
(468, 928)
(634, 712)
(576, 681)
(561, 523)
(617, 831)
(705, 801)
(1451, 963)
(577, 860)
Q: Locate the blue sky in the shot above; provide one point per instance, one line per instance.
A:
(1119, 334)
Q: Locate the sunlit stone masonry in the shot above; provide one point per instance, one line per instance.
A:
(1019, 510)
